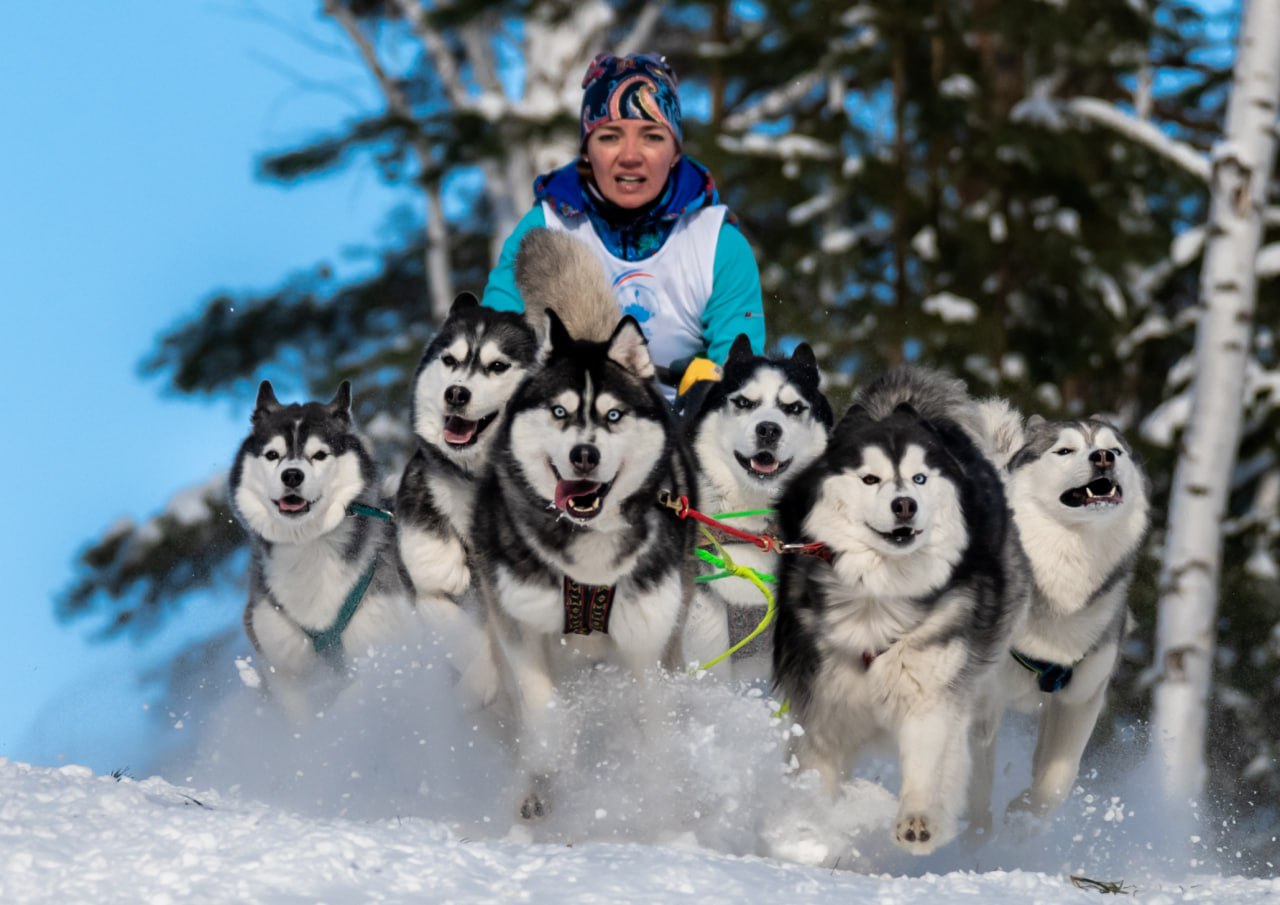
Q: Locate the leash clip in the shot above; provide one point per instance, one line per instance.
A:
(677, 504)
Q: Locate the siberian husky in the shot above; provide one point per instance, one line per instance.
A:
(578, 560)
(464, 378)
(326, 583)
(900, 631)
(764, 421)
(1079, 500)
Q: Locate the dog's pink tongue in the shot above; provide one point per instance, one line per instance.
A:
(764, 464)
(458, 430)
(292, 504)
(566, 490)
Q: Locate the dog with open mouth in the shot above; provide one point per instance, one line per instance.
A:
(1080, 502)
(326, 584)
(764, 421)
(464, 378)
(579, 561)
(899, 630)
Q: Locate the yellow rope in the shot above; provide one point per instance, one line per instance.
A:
(729, 567)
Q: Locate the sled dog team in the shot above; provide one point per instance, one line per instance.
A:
(938, 558)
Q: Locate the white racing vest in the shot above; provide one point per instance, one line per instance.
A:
(666, 292)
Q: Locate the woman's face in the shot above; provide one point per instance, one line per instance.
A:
(630, 160)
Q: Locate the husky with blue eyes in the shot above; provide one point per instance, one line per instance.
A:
(326, 585)
(579, 560)
(897, 630)
(762, 423)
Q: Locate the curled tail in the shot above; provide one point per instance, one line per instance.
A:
(999, 429)
(555, 270)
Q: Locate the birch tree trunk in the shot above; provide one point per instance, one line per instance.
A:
(1185, 636)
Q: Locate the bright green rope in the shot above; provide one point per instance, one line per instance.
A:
(729, 567)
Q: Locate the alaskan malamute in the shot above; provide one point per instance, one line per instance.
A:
(465, 376)
(1079, 500)
(900, 632)
(761, 423)
(326, 583)
(578, 560)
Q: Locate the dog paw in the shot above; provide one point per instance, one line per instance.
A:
(533, 807)
(918, 834)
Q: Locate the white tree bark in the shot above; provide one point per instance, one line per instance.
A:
(1185, 636)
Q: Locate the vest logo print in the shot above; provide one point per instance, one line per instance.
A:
(636, 296)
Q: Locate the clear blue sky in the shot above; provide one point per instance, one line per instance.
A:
(128, 135)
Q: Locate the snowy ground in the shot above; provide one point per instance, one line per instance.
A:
(394, 795)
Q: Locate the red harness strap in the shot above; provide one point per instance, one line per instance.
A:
(767, 543)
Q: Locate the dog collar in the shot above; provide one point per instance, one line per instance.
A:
(586, 607)
(1050, 677)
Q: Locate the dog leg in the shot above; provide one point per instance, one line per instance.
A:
(1061, 738)
(933, 748)
(982, 745)
(706, 633)
(531, 690)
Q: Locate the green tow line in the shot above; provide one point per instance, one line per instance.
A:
(724, 562)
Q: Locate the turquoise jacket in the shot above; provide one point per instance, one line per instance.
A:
(735, 304)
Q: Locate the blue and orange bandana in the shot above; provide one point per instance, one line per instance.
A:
(635, 86)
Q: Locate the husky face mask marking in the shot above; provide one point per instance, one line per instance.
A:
(590, 446)
(466, 376)
(299, 469)
(1081, 470)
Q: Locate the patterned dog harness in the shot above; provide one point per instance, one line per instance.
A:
(586, 607)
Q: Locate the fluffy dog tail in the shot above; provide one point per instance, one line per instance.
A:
(933, 394)
(555, 270)
(999, 430)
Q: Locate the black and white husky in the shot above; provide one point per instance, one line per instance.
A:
(900, 631)
(1079, 499)
(326, 583)
(764, 421)
(578, 560)
(464, 378)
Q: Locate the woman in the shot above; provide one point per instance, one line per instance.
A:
(653, 217)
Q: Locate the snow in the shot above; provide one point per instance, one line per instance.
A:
(394, 794)
(951, 308)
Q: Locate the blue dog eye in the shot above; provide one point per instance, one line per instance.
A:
(919, 479)
(614, 415)
(559, 411)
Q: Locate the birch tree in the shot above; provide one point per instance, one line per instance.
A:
(1192, 563)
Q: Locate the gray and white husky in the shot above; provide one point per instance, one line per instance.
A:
(464, 378)
(899, 632)
(578, 560)
(764, 421)
(1079, 499)
(326, 583)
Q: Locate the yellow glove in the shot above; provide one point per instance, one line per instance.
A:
(699, 369)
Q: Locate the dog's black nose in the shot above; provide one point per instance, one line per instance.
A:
(768, 433)
(1103, 459)
(457, 395)
(584, 458)
(904, 508)
(292, 477)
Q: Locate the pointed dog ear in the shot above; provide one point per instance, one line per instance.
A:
(267, 402)
(341, 402)
(463, 301)
(557, 333)
(1035, 420)
(803, 356)
(629, 348)
(741, 349)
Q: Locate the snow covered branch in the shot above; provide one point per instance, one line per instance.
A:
(1144, 133)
